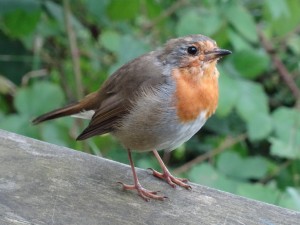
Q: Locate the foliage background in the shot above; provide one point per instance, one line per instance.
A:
(54, 52)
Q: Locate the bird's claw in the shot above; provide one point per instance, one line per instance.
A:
(171, 180)
(144, 193)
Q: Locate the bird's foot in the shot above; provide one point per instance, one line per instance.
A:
(171, 180)
(144, 193)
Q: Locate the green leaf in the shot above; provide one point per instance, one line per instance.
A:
(287, 129)
(238, 42)
(233, 165)
(295, 194)
(252, 106)
(97, 8)
(130, 48)
(288, 22)
(111, 40)
(259, 127)
(227, 94)
(18, 124)
(12, 5)
(250, 63)
(19, 23)
(149, 162)
(294, 44)
(55, 133)
(205, 174)
(252, 100)
(284, 149)
(179, 152)
(228, 162)
(123, 10)
(278, 9)
(258, 192)
(57, 13)
(242, 21)
(154, 8)
(188, 24)
(290, 199)
(254, 167)
(39, 98)
(194, 21)
(286, 121)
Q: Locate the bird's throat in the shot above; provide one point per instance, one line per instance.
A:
(195, 93)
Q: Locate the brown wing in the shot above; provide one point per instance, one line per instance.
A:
(119, 91)
(104, 119)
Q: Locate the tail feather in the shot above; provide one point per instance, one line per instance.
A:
(61, 112)
(90, 102)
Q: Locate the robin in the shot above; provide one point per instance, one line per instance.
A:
(155, 102)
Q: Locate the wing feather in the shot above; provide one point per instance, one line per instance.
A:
(118, 93)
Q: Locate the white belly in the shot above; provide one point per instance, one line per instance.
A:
(153, 124)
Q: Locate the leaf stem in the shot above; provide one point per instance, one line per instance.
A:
(76, 62)
(282, 70)
(73, 48)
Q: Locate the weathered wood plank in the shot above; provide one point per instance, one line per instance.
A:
(42, 183)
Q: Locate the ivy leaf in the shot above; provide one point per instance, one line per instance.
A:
(130, 48)
(194, 22)
(20, 23)
(259, 127)
(97, 8)
(242, 21)
(205, 174)
(287, 129)
(280, 9)
(252, 106)
(55, 133)
(252, 100)
(123, 10)
(238, 42)
(228, 94)
(19, 124)
(250, 63)
(294, 44)
(290, 199)
(259, 192)
(233, 165)
(38, 99)
(282, 25)
(111, 40)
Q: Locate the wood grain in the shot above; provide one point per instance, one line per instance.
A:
(41, 183)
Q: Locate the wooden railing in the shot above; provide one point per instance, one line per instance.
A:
(42, 183)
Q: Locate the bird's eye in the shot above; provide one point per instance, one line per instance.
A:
(192, 50)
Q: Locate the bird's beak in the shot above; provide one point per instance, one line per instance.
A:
(216, 54)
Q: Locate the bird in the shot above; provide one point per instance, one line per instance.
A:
(155, 102)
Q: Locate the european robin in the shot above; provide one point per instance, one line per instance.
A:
(157, 101)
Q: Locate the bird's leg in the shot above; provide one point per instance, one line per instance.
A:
(167, 176)
(144, 193)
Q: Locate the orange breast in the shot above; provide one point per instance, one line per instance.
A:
(196, 91)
